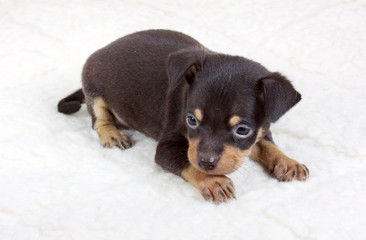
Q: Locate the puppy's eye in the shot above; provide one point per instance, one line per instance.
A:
(192, 121)
(242, 131)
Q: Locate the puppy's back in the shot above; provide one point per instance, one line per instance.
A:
(130, 75)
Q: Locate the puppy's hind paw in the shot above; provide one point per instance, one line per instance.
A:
(116, 139)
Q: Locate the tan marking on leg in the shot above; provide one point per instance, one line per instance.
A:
(259, 135)
(213, 188)
(271, 157)
(105, 126)
(234, 120)
(198, 114)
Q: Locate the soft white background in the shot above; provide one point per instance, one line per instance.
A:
(57, 182)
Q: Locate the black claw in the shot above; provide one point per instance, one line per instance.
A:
(107, 145)
(123, 145)
(207, 195)
(229, 190)
(293, 173)
(271, 170)
(222, 193)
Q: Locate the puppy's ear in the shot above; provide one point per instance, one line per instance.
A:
(184, 64)
(279, 96)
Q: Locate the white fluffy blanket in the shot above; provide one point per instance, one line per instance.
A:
(57, 182)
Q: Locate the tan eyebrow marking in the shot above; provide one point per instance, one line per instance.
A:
(234, 120)
(198, 114)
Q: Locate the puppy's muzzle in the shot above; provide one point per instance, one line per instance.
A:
(208, 161)
(214, 163)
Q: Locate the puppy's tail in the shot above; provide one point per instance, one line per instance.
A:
(72, 103)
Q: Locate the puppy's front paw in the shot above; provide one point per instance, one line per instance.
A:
(115, 139)
(287, 169)
(217, 188)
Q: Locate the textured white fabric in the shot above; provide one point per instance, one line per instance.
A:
(57, 182)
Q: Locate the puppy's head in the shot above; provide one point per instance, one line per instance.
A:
(229, 105)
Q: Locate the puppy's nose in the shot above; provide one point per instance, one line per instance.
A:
(207, 162)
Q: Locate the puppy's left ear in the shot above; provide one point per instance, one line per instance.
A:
(279, 95)
(184, 64)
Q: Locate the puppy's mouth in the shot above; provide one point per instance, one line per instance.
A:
(227, 162)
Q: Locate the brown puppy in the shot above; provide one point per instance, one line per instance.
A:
(207, 110)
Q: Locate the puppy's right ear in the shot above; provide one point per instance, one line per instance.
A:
(184, 64)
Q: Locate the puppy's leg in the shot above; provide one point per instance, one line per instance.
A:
(272, 158)
(171, 155)
(105, 125)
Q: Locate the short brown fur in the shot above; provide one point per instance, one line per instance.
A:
(233, 157)
(192, 151)
(260, 135)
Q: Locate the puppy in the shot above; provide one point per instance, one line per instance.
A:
(208, 111)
